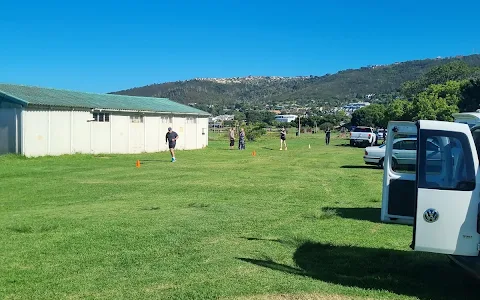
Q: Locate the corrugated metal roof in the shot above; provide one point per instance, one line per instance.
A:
(30, 95)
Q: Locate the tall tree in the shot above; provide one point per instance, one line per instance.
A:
(470, 96)
(398, 110)
(372, 115)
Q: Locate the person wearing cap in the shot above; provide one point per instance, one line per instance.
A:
(171, 137)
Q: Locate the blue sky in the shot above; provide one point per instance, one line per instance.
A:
(103, 46)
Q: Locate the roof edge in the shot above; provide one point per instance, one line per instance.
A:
(205, 114)
(13, 99)
(26, 103)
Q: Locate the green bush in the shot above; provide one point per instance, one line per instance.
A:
(253, 132)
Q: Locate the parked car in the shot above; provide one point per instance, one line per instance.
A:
(381, 134)
(404, 153)
(362, 135)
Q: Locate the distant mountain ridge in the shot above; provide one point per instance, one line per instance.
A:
(333, 89)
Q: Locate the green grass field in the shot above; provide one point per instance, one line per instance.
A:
(217, 224)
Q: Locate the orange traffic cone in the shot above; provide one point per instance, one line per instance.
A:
(138, 164)
(254, 153)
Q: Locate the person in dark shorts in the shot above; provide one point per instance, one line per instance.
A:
(171, 137)
(327, 136)
(283, 137)
(232, 138)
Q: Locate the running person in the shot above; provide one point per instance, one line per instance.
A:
(283, 137)
(172, 138)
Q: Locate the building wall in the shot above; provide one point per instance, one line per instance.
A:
(56, 132)
(202, 132)
(81, 129)
(10, 129)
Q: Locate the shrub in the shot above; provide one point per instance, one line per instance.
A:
(253, 132)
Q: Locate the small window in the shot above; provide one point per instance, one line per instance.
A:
(136, 119)
(362, 129)
(191, 120)
(101, 117)
(410, 145)
(166, 120)
(398, 145)
(204, 131)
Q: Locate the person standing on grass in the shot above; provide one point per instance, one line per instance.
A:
(283, 138)
(171, 137)
(232, 138)
(327, 136)
(241, 139)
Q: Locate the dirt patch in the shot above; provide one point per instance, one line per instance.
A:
(159, 287)
(375, 228)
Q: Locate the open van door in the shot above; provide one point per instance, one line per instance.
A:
(399, 188)
(447, 190)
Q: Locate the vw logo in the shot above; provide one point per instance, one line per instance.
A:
(430, 215)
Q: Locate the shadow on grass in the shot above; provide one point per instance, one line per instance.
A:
(266, 148)
(361, 167)
(358, 213)
(421, 275)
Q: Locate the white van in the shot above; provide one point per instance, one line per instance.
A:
(469, 118)
(440, 197)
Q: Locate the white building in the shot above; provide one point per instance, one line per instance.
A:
(222, 118)
(40, 121)
(351, 107)
(285, 118)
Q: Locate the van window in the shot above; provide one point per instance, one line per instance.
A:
(447, 164)
(404, 156)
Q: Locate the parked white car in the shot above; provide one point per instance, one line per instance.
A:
(404, 153)
(362, 136)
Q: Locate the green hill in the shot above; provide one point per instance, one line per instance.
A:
(349, 85)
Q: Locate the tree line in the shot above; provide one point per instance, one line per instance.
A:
(436, 95)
